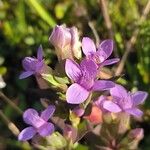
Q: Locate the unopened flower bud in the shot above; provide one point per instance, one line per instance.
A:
(96, 115)
(70, 133)
(137, 134)
(78, 111)
(66, 42)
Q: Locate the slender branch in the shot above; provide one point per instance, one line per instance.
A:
(12, 104)
(91, 25)
(103, 5)
(11, 126)
(132, 40)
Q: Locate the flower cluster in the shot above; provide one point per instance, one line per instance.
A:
(83, 84)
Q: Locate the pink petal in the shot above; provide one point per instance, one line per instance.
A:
(46, 129)
(101, 85)
(135, 112)
(40, 53)
(48, 112)
(118, 91)
(26, 74)
(27, 134)
(112, 107)
(76, 94)
(105, 49)
(72, 70)
(139, 97)
(88, 46)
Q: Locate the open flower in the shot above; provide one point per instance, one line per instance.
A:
(124, 101)
(66, 42)
(84, 78)
(100, 56)
(38, 124)
(33, 65)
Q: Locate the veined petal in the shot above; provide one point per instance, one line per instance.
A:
(48, 112)
(72, 70)
(101, 85)
(135, 112)
(112, 107)
(31, 117)
(105, 49)
(139, 97)
(88, 68)
(109, 62)
(46, 129)
(27, 134)
(26, 74)
(119, 91)
(88, 46)
(76, 94)
(40, 53)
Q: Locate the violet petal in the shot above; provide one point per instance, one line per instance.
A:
(101, 85)
(48, 112)
(76, 94)
(88, 46)
(40, 53)
(118, 91)
(112, 107)
(46, 129)
(72, 70)
(105, 49)
(31, 117)
(27, 134)
(25, 74)
(135, 112)
(139, 97)
(109, 62)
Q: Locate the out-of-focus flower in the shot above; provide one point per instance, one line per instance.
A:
(84, 76)
(39, 124)
(100, 56)
(78, 111)
(2, 83)
(66, 42)
(96, 115)
(124, 101)
(33, 65)
(137, 134)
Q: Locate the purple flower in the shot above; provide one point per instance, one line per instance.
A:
(84, 76)
(33, 65)
(39, 124)
(124, 101)
(66, 42)
(100, 56)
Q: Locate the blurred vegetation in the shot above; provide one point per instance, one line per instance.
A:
(25, 24)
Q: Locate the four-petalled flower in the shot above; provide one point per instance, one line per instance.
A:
(100, 56)
(33, 65)
(84, 78)
(123, 101)
(39, 124)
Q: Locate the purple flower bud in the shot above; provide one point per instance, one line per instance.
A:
(66, 42)
(78, 111)
(137, 134)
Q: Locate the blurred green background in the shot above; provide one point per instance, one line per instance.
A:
(25, 24)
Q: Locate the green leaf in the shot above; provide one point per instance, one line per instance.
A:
(41, 11)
